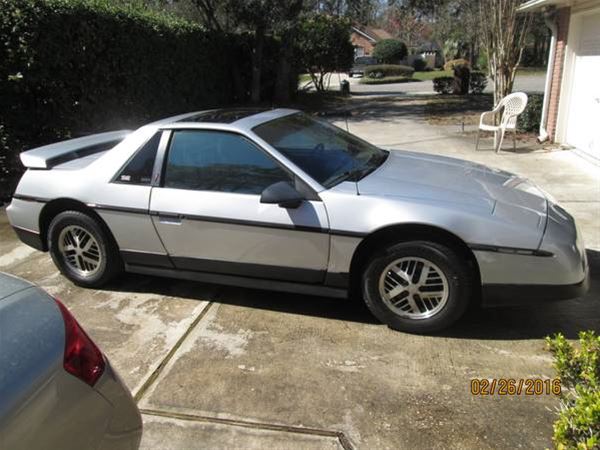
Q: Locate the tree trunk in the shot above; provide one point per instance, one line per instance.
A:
(284, 70)
(257, 56)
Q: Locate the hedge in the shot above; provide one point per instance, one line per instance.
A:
(387, 80)
(71, 67)
(388, 70)
(530, 119)
(478, 82)
(443, 85)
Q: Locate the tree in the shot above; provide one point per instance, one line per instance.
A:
(390, 50)
(324, 45)
(405, 24)
(504, 33)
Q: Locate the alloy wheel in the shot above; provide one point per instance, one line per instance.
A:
(80, 250)
(414, 288)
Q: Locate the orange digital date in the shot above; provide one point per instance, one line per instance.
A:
(511, 386)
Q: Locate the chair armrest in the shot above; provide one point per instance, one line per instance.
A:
(485, 114)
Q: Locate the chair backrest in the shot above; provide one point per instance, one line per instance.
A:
(514, 104)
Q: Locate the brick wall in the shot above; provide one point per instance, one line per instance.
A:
(563, 16)
(358, 40)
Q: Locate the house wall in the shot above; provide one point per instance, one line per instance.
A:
(359, 40)
(563, 17)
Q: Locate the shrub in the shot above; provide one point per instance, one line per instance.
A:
(443, 85)
(450, 65)
(386, 80)
(72, 67)
(578, 423)
(388, 70)
(390, 50)
(419, 65)
(530, 119)
(478, 82)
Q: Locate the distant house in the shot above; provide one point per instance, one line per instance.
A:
(571, 107)
(365, 38)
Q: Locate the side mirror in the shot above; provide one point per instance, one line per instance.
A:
(283, 194)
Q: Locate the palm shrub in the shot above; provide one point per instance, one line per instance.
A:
(578, 423)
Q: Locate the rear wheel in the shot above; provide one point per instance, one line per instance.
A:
(81, 249)
(417, 286)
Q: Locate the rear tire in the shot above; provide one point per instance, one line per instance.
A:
(82, 250)
(417, 286)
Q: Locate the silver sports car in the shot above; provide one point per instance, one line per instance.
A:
(275, 199)
(57, 389)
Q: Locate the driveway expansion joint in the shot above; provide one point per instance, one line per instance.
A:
(339, 435)
(154, 375)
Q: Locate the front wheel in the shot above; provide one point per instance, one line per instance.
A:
(418, 286)
(81, 249)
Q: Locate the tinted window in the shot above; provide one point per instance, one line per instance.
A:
(139, 169)
(325, 152)
(219, 161)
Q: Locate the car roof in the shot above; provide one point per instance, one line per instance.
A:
(240, 118)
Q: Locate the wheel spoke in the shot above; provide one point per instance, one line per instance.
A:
(80, 250)
(413, 287)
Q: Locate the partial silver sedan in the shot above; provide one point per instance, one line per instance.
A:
(276, 199)
(57, 389)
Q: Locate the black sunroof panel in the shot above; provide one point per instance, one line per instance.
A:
(223, 115)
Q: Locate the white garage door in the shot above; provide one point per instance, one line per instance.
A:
(583, 129)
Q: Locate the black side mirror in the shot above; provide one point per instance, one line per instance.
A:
(283, 194)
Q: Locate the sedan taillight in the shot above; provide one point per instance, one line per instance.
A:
(82, 357)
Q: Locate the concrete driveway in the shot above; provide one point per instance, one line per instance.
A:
(222, 367)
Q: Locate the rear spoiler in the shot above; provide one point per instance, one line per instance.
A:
(51, 155)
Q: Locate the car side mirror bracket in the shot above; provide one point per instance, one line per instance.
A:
(283, 194)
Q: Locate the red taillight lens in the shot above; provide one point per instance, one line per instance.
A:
(82, 358)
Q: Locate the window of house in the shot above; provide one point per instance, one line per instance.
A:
(219, 161)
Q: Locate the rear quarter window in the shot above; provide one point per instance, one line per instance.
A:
(139, 168)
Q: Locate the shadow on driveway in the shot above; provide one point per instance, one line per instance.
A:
(506, 323)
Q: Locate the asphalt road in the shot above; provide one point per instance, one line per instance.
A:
(526, 83)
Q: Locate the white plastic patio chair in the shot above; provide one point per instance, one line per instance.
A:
(511, 106)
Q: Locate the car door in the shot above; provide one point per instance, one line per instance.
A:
(208, 213)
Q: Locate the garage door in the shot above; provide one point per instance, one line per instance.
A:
(583, 129)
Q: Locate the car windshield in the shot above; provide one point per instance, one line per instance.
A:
(325, 152)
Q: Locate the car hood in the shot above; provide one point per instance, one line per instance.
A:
(450, 180)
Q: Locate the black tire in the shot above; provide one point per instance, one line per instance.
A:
(110, 264)
(454, 268)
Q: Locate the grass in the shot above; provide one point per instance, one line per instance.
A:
(386, 80)
(531, 71)
(430, 75)
(304, 78)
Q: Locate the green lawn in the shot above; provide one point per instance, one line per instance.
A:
(531, 71)
(421, 76)
(304, 78)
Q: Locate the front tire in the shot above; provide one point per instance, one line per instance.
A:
(417, 286)
(82, 250)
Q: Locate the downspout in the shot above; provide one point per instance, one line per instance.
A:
(550, 21)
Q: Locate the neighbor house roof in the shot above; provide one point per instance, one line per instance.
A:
(373, 34)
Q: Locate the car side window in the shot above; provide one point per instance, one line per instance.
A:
(139, 169)
(219, 161)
